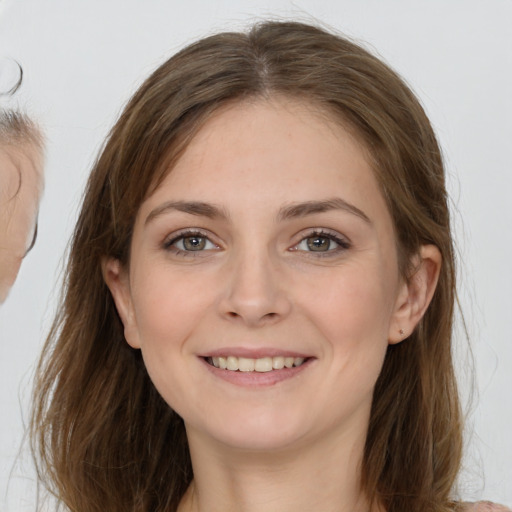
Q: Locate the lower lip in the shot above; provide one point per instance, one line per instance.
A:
(257, 379)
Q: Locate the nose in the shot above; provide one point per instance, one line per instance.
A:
(254, 292)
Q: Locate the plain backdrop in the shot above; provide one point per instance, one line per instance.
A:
(83, 59)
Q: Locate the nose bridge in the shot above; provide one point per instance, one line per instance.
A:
(254, 290)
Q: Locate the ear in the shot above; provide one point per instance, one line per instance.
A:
(415, 293)
(117, 279)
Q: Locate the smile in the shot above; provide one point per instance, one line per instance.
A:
(262, 364)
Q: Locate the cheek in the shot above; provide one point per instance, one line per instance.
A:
(168, 306)
(354, 304)
(352, 311)
(168, 325)
(168, 309)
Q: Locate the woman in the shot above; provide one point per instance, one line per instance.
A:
(259, 298)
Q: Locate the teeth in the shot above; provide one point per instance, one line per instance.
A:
(278, 363)
(263, 364)
(245, 365)
(232, 363)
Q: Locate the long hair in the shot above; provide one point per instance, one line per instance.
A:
(103, 437)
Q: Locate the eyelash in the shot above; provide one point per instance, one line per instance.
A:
(168, 245)
(343, 243)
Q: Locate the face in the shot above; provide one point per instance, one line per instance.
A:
(20, 188)
(263, 286)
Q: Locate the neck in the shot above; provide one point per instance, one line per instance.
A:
(323, 477)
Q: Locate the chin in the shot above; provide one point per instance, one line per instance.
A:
(259, 441)
(256, 433)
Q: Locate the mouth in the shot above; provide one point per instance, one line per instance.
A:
(259, 365)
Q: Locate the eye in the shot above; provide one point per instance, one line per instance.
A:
(317, 244)
(190, 242)
(322, 242)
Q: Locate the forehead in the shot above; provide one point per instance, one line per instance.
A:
(274, 147)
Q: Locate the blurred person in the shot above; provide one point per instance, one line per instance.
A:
(21, 185)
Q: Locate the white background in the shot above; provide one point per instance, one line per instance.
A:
(83, 59)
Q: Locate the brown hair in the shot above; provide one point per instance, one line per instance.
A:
(104, 438)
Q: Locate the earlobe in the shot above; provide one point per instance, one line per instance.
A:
(116, 278)
(416, 293)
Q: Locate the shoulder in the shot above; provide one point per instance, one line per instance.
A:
(485, 506)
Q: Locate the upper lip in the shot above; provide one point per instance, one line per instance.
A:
(254, 353)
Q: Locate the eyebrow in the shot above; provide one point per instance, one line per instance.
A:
(296, 210)
(292, 211)
(191, 207)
